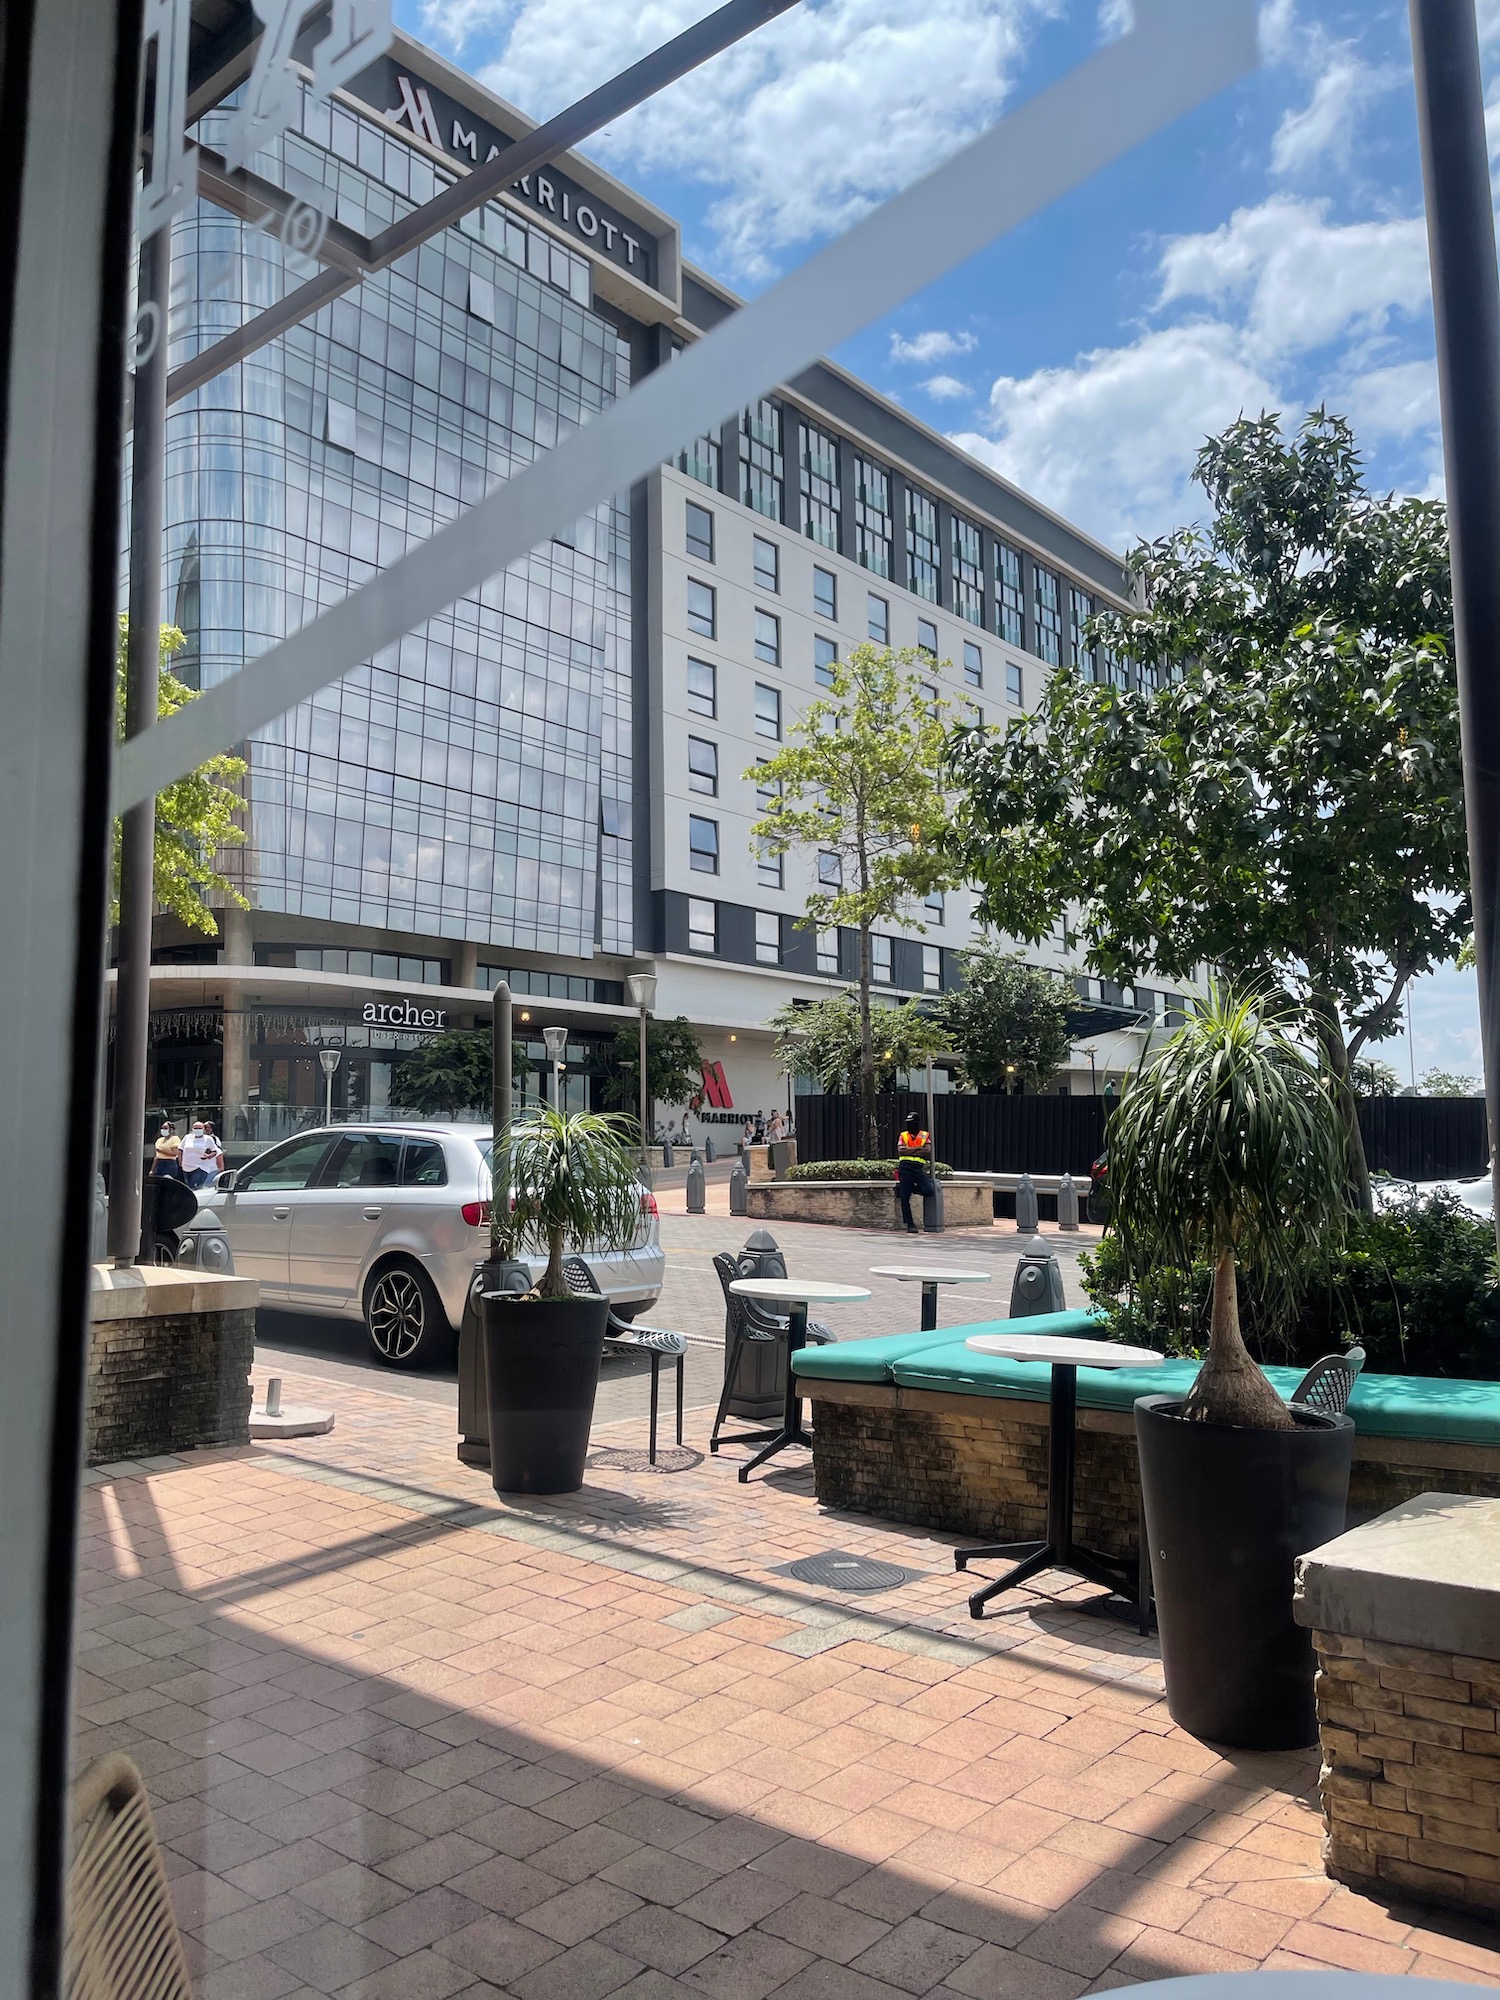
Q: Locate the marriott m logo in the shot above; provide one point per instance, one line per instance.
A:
(415, 110)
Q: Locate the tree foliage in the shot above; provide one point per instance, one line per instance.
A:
(1373, 1078)
(674, 1065)
(1276, 789)
(1008, 1022)
(1447, 1083)
(571, 1181)
(822, 1040)
(1227, 1151)
(451, 1073)
(194, 817)
(861, 781)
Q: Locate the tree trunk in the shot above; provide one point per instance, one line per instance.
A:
(553, 1284)
(1230, 1389)
(1336, 1060)
(866, 1051)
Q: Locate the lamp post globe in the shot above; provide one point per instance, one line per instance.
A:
(557, 1047)
(330, 1060)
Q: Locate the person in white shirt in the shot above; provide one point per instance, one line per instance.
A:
(199, 1150)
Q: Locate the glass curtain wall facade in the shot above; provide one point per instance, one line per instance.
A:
(473, 781)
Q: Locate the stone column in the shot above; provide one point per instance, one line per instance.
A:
(234, 926)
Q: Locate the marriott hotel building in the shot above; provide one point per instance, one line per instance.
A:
(545, 783)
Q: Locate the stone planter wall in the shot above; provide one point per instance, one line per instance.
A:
(169, 1362)
(1405, 1615)
(977, 1465)
(863, 1204)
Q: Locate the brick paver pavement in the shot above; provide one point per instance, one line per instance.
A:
(403, 1738)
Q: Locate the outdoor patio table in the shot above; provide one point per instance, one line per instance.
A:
(1065, 1354)
(929, 1277)
(796, 1295)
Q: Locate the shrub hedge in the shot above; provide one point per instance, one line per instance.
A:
(853, 1170)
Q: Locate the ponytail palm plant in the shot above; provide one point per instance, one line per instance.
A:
(570, 1178)
(1228, 1148)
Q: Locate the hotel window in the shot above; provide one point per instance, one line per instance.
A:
(1080, 653)
(767, 565)
(976, 716)
(1010, 605)
(874, 530)
(828, 951)
(877, 619)
(927, 638)
(767, 790)
(1015, 688)
(968, 571)
(821, 498)
(762, 466)
(700, 532)
(703, 766)
(703, 688)
(830, 872)
(768, 638)
(973, 664)
(825, 660)
(703, 924)
(767, 938)
(825, 593)
(883, 960)
(935, 906)
(703, 845)
(701, 461)
(1048, 610)
(932, 969)
(923, 554)
(934, 699)
(768, 712)
(769, 869)
(703, 615)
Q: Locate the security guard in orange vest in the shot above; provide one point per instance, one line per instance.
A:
(913, 1155)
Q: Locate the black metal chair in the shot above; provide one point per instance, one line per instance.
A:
(621, 1334)
(1329, 1383)
(747, 1322)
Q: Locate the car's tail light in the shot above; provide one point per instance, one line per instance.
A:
(475, 1213)
(648, 1205)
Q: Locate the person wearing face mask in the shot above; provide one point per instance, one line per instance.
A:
(167, 1163)
(199, 1151)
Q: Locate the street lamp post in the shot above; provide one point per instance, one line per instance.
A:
(643, 995)
(557, 1047)
(330, 1059)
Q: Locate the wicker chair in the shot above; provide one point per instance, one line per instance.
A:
(622, 1333)
(121, 1941)
(1329, 1383)
(746, 1321)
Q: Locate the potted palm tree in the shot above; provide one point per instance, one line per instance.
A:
(1228, 1149)
(564, 1181)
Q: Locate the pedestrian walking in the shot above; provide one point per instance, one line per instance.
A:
(913, 1168)
(166, 1164)
(195, 1168)
(213, 1151)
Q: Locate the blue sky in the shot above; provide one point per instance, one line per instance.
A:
(1267, 252)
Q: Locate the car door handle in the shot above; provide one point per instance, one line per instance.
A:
(372, 1214)
(281, 1214)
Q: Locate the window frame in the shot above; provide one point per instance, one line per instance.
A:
(696, 931)
(830, 610)
(695, 866)
(703, 783)
(973, 664)
(703, 551)
(926, 625)
(767, 650)
(824, 669)
(882, 959)
(694, 697)
(763, 581)
(768, 709)
(698, 629)
(768, 951)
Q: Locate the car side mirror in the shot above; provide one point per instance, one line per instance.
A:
(224, 1184)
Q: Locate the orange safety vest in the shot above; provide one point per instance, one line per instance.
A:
(906, 1143)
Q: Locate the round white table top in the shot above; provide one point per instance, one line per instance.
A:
(920, 1274)
(799, 1291)
(1064, 1348)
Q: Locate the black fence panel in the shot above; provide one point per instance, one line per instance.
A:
(1415, 1138)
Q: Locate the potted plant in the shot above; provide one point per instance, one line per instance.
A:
(1228, 1148)
(562, 1181)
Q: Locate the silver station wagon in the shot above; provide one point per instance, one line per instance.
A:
(384, 1224)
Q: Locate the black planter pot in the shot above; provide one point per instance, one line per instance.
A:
(1227, 1514)
(542, 1362)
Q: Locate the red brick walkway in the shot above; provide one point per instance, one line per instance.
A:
(403, 1739)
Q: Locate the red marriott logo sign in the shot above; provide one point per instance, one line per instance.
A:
(716, 1088)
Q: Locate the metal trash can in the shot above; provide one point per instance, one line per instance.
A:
(739, 1180)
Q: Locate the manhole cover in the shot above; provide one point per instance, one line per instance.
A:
(669, 1458)
(833, 1570)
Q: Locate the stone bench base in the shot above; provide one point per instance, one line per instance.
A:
(170, 1353)
(863, 1204)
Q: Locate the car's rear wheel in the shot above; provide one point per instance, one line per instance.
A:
(404, 1317)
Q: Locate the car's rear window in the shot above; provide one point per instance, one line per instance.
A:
(423, 1164)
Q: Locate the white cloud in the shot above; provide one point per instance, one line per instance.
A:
(1399, 400)
(800, 128)
(1110, 441)
(1116, 18)
(946, 388)
(932, 346)
(1326, 125)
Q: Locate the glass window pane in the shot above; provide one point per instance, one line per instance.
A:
(703, 845)
(423, 1164)
(767, 564)
(700, 532)
(285, 1168)
(878, 619)
(702, 611)
(368, 1161)
(768, 638)
(703, 692)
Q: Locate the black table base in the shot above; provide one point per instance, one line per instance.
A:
(791, 1431)
(1059, 1550)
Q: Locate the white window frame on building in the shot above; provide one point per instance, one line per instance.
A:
(703, 925)
(767, 938)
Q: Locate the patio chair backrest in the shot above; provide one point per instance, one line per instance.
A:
(579, 1279)
(121, 1941)
(1329, 1383)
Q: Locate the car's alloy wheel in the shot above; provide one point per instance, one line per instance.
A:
(398, 1315)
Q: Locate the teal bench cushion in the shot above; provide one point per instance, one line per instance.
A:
(873, 1360)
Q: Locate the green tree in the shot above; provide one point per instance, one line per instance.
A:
(1372, 1078)
(1447, 1083)
(674, 1065)
(861, 783)
(195, 817)
(1275, 790)
(1008, 1022)
(451, 1073)
(822, 1040)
